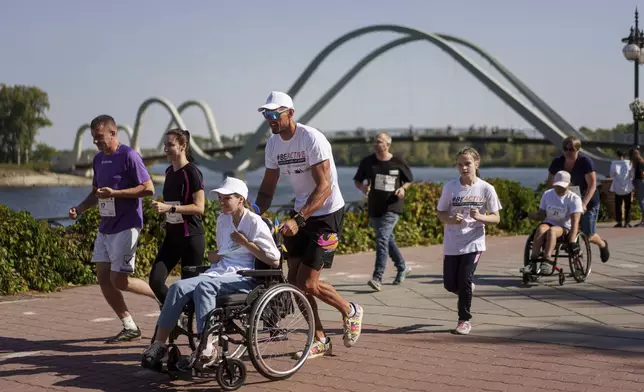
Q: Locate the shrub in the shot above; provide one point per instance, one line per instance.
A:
(34, 256)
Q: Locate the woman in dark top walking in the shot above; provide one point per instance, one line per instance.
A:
(638, 178)
(183, 206)
(583, 182)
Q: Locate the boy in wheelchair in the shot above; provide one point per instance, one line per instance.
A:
(242, 236)
(560, 210)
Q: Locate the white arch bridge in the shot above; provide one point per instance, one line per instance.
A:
(541, 116)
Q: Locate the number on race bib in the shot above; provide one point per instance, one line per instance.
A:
(385, 183)
(107, 207)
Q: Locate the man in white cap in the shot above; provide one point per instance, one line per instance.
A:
(312, 234)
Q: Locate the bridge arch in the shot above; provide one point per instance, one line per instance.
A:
(210, 121)
(200, 157)
(542, 121)
(548, 122)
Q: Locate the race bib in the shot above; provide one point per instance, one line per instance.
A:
(575, 190)
(556, 213)
(173, 217)
(106, 207)
(385, 183)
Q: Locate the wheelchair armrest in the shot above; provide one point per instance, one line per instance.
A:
(260, 273)
(196, 268)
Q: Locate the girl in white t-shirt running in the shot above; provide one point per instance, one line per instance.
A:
(560, 210)
(466, 205)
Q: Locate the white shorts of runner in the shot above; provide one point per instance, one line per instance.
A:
(119, 249)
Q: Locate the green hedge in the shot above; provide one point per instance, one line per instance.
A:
(34, 256)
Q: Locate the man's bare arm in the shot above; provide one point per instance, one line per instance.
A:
(142, 190)
(322, 176)
(267, 189)
(90, 201)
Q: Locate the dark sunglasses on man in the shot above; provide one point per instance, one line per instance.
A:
(273, 115)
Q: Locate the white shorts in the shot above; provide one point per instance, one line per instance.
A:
(119, 249)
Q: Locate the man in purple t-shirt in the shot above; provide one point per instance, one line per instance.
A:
(120, 180)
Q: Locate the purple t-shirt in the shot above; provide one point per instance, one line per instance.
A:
(122, 169)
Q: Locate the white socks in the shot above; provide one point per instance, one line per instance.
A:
(128, 323)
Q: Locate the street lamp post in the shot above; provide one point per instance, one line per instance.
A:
(634, 51)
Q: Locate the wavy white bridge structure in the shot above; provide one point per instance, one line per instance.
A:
(540, 115)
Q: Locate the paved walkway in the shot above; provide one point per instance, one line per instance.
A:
(576, 337)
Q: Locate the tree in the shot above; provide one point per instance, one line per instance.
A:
(43, 153)
(22, 115)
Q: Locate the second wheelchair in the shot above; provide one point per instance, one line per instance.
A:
(578, 254)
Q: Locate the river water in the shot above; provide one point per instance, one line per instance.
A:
(50, 202)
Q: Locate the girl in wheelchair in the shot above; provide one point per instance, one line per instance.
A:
(242, 236)
(560, 210)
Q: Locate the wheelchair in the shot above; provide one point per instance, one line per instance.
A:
(260, 318)
(578, 255)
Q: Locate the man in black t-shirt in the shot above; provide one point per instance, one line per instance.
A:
(387, 177)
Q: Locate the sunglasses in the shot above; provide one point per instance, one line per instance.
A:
(273, 115)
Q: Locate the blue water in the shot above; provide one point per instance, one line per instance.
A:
(49, 202)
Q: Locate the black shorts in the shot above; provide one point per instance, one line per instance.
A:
(316, 242)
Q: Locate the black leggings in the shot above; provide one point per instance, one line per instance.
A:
(190, 250)
(458, 271)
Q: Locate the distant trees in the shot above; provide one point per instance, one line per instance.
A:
(22, 115)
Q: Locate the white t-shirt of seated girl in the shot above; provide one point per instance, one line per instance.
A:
(235, 257)
(469, 235)
(560, 208)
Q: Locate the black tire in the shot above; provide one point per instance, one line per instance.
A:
(580, 264)
(527, 249)
(231, 374)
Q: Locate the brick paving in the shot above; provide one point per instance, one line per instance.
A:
(575, 337)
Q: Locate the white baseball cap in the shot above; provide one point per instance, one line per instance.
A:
(562, 179)
(233, 185)
(277, 99)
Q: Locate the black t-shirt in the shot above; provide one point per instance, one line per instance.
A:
(384, 177)
(583, 166)
(178, 187)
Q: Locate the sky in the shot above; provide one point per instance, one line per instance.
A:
(94, 57)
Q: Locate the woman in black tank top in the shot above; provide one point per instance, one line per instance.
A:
(183, 205)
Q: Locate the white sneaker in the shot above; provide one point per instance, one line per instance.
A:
(463, 328)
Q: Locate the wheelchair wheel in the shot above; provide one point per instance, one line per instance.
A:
(580, 262)
(282, 316)
(527, 249)
(231, 374)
